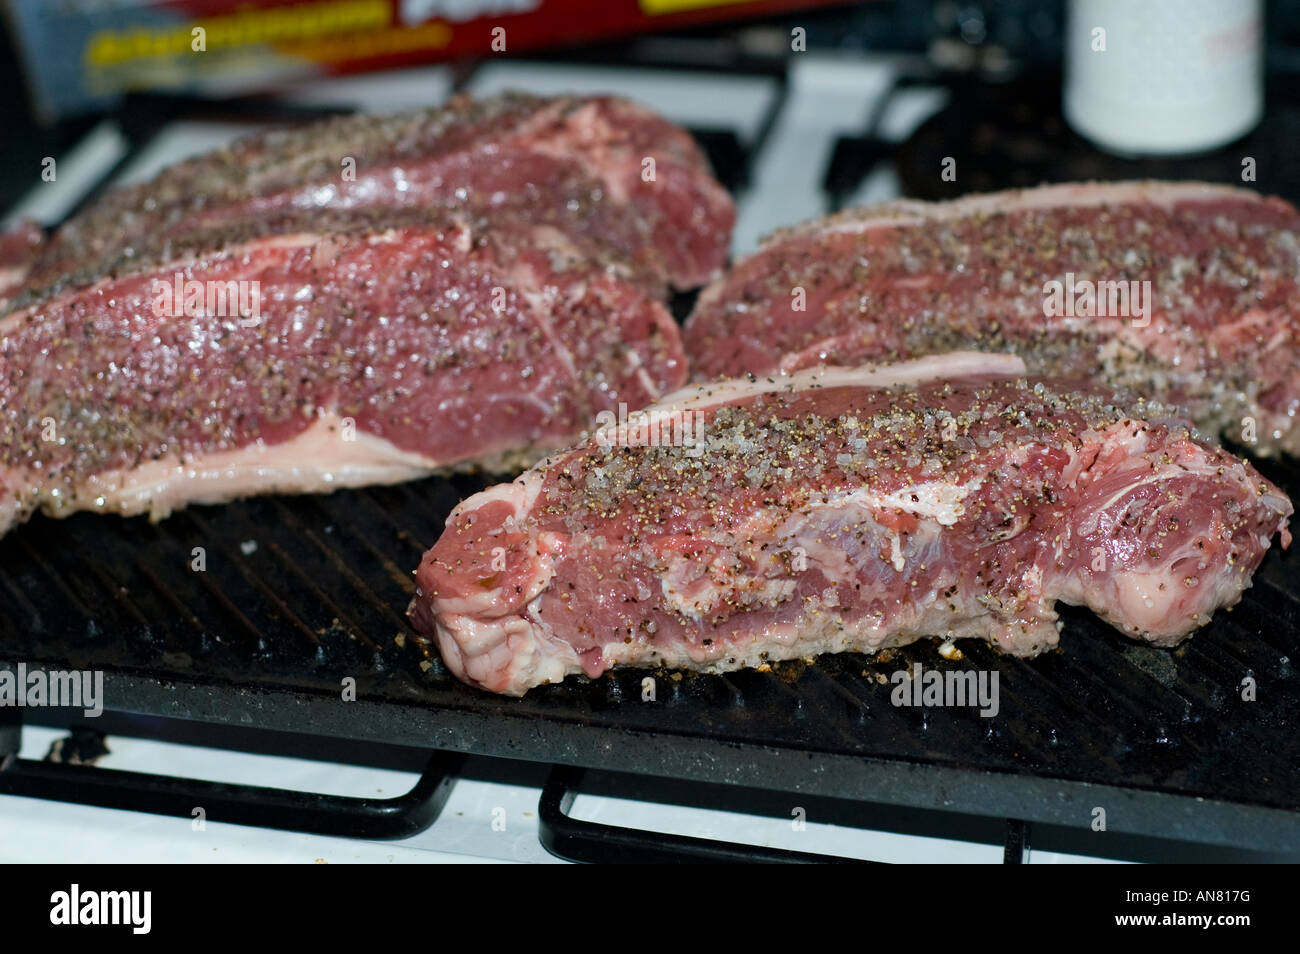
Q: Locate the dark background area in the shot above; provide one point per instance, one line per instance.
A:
(996, 40)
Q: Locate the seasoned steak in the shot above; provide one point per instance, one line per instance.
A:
(19, 247)
(1052, 274)
(375, 355)
(467, 285)
(845, 509)
(576, 164)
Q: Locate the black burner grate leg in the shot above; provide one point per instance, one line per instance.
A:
(11, 734)
(1016, 848)
(574, 840)
(261, 807)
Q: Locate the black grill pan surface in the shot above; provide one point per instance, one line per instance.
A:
(300, 594)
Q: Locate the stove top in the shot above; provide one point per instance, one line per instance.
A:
(823, 134)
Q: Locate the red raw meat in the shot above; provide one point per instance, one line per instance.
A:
(845, 509)
(1221, 339)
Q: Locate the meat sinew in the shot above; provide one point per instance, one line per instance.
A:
(615, 177)
(375, 355)
(364, 300)
(835, 509)
(1052, 274)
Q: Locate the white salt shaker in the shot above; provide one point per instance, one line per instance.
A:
(1163, 77)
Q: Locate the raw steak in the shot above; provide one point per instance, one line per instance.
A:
(1221, 339)
(376, 352)
(845, 509)
(576, 164)
(19, 247)
(465, 285)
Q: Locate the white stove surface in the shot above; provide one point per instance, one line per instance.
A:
(826, 97)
